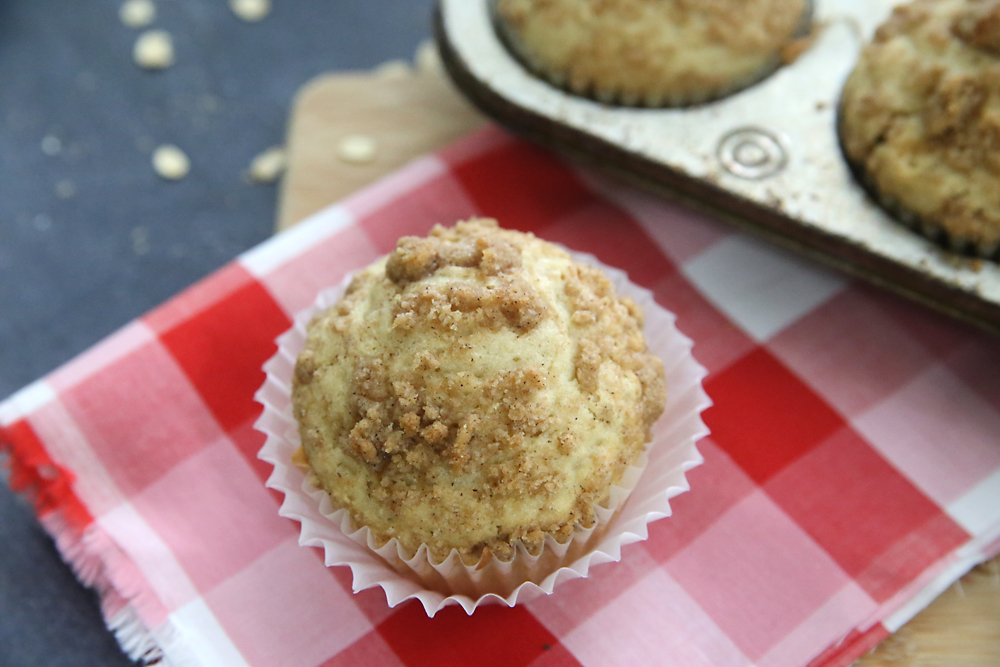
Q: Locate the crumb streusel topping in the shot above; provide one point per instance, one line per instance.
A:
(655, 52)
(920, 116)
(474, 390)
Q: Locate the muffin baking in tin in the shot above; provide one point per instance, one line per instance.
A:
(654, 53)
(919, 121)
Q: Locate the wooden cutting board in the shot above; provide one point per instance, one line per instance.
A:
(409, 112)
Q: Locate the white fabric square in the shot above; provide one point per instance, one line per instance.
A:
(690, 638)
(978, 511)
(203, 637)
(760, 288)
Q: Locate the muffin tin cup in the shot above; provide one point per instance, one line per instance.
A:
(643, 495)
(664, 100)
(766, 159)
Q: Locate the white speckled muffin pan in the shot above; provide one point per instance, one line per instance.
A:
(767, 158)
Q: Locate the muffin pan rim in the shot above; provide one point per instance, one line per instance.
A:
(813, 204)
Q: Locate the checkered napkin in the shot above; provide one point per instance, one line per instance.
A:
(853, 470)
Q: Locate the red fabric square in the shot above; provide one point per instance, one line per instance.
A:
(651, 622)
(614, 238)
(718, 343)
(522, 186)
(248, 441)
(937, 333)
(759, 576)
(283, 610)
(214, 515)
(439, 200)
(223, 347)
(369, 650)
(199, 296)
(476, 144)
(720, 485)
(141, 416)
(578, 600)
(682, 233)
(764, 416)
(370, 601)
(914, 428)
(555, 655)
(33, 473)
(296, 284)
(859, 508)
(851, 352)
(910, 555)
(494, 635)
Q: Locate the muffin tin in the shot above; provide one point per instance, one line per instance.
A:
(767, 158)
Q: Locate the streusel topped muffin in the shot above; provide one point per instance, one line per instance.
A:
(652, 52)
(920, 120)
(475, 390)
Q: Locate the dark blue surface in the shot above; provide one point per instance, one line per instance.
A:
(74, 269)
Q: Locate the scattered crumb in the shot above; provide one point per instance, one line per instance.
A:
(140, 240)
(171, 163)
(300, 460)
(137, 13)
(250, 10)
(268, 166)
(51, 145)
(357, 149)
(154, 50)
(427, 59)
(42, 222)
(394, 69)
(65, 189)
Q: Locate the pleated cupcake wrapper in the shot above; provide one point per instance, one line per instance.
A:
(642, 496)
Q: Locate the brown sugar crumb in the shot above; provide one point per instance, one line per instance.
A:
(494, 295)
(979, 25)
(640, 52)
(299, 459)
(443, 401)
(415, 258)
(588, 364)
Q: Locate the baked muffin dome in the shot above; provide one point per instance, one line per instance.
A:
(920, 120)
(652, 52)
(474, 390)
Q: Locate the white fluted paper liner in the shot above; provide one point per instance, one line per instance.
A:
(643, 495)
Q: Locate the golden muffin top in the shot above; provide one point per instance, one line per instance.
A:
(920, 116)
(654, 52)
(473, 390)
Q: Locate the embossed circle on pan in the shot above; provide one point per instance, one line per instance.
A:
(752, 153)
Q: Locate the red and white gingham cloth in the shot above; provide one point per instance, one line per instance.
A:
(853, 470)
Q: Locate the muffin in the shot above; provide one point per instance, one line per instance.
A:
(920, 120)
(652, 52)
(475, 391)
